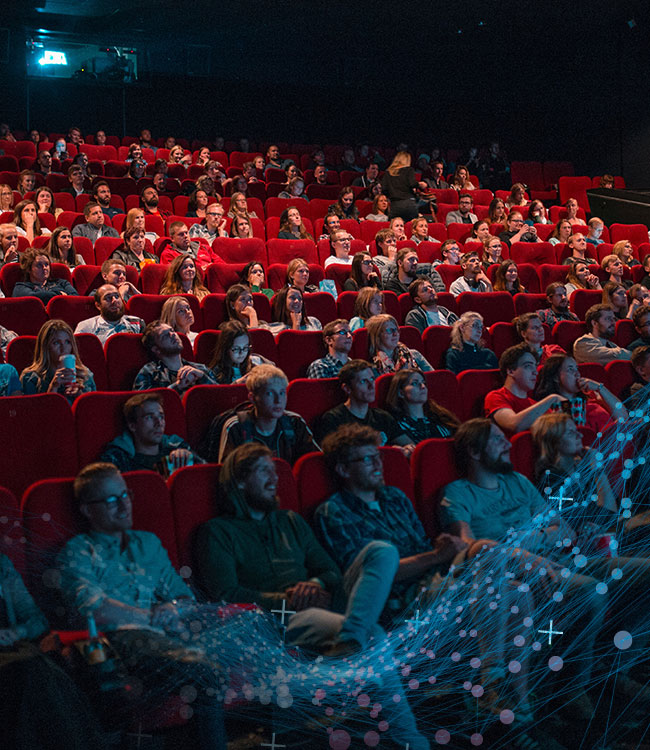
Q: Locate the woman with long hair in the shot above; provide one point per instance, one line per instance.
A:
(345, 207)
(135, 218)
(6, 198)
(44, 199)
(400, 186)
(232, 359)
(183, 277)
(239, 305)
(380, 208)
(288, 312)
(507, 279)
(37, 267)
(177, 155)
(51, 371)
(492, 251)
(177, 312)
(615, 295)
(588, 402)
(61, 249)
(386, 352)
(461, 181)
(241, 228)
(561, 233)
(132, 251)
(517, 197)
(363, 273)
(197, 204)
(537, 213)
(580, 277)
(27, 222)
(497, 211)
(467, 350)
(254, 276)
(419, 416)
(480, 231)
(369, 302)
(298, 276)
(295, 189)
(625, 251)
(203, 156)
(239, 206)
(292, 226)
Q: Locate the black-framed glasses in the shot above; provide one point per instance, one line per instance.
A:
(240, 349)
(367, 460)
(111, 500)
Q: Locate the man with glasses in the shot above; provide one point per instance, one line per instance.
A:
(340, 244)
(214, 225)
(125, 580)
(366, 522)
(464, 215)
(357, 381)
(167, 369)
(43, 164)
(144, 444)
(518, 230)
(338, 340)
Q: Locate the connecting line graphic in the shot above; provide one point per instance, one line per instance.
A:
(551, 632)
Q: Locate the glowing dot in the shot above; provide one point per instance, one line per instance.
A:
(455, 656)
(397, 698)
(528, 622)
(462, 633)
(626, 502)
(329, 711)
(185, 571)
(467, 685)
(580, 561)
(514, 609)
(186, 712)
(363, 700)
(613, 544)
(622, 640)
(493, 605)
(414, 684)
(477, 691)
(371, 739)
(473, 633)
(601, 588)
(558, 596)
(320, 694)
(46, 517)
(537, 646)
(555, 663)
(406, 671)
(188, 693)
(617, 574)
(340, 740)
(476, 739)
(442, 737)
(475, 663)
(514, 667)
(627, 514)
(506, 716)
(382, 726)
(519, 640)
(431, 680)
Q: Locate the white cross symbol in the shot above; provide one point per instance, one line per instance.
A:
(272, 744)
(551, 632)
(417, 622)
(560, 497)
(284, 611)
(140, 735)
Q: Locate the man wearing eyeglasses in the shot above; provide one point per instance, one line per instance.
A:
(518, 230)
(144, 444)
(464, 215)
(214, 225)
(338, 340)
(125, 580)
(369, 525)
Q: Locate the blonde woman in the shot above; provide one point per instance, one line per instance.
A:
(135, 218)
(385, 350)
(466, 351)
(400, 186)
(239, 207)
(625, 251)
(51, 371)
(177, 312)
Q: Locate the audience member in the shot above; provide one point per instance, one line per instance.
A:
(212, 226)
(473, 278)
(232, 359)
(518, 230)
(183, 277)
(385, 350)
(36, 267)
(57, 366)
(113, 272)
(8, 243)
(27, 222)
(95, 226)
(240, 307)
(197, 204)
(61, 249)
(595, 234)
(580, 277)
(166, 368)
(624, 250)
(340, 244)
(77, 180)
(177, 312)
(614, 268)
(561, 233)
(26, 182)
(181, 244)
(497, 212)
(559, 305)
(149, 200)
(337, 337)
(578, 246)
(111, 318)
(641, 318)
(144, 444)
(517, 196)
(298, 276)
(288, 313)
(450, 252)
(597, 345)
(464, 215)
(530, 329)
(537, 213)
(363, 273)
(44, 199)
(405, 272)
(380, 209)
(572, 212)
(292, 226)
(369, 302)
(506, 278)
(426, 311)
(101, 194)
(253, 275)
(615, 296)
(467, 350)
(133, 251)
(400, 185)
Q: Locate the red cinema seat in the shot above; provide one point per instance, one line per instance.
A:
(71, 309)
(275, 206)
(320, 305)
(125, 357)
(12, 273)
(316, 483)
(98, 419)
(620, 375)
(525, 303)
(438, 452)
(24, 315)
(449, 273)
(637, 234)
(582, 299)
(297, 350)
(204, 402)
(87, 279)
(20, 352)
(12, 539)
(493, 306)
(219, 277)
(105, 247)
(151, 278)
(459, 232)
(435, 341)
(503, 335)
(213, 310)
(565, 332)
(91, 352)
(36, 441)
(523, 454)
(532, 252)
(473, 387)
(548, 273)
(574, 187)
(369, 230)
(234, 250)
(626, 332)
(428, 252)
(559, 212)
(283, 251)
(312, 397)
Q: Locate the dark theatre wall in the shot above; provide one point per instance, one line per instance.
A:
(552, 82)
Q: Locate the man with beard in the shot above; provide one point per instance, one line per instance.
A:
(167, 368)
(111, 318)
(510, 406)
(559, 309)
(473, 278)
(102, 195)
(95, 226)
(598, 345)
(149, 202)
(406, 263)
(256, 552)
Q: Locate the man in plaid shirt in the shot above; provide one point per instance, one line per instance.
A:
(338, 340)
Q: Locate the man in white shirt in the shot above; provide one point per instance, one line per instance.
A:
(340, 242)
(111, 318)
(473, 278)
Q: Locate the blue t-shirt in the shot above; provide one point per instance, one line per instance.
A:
(9, 380)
